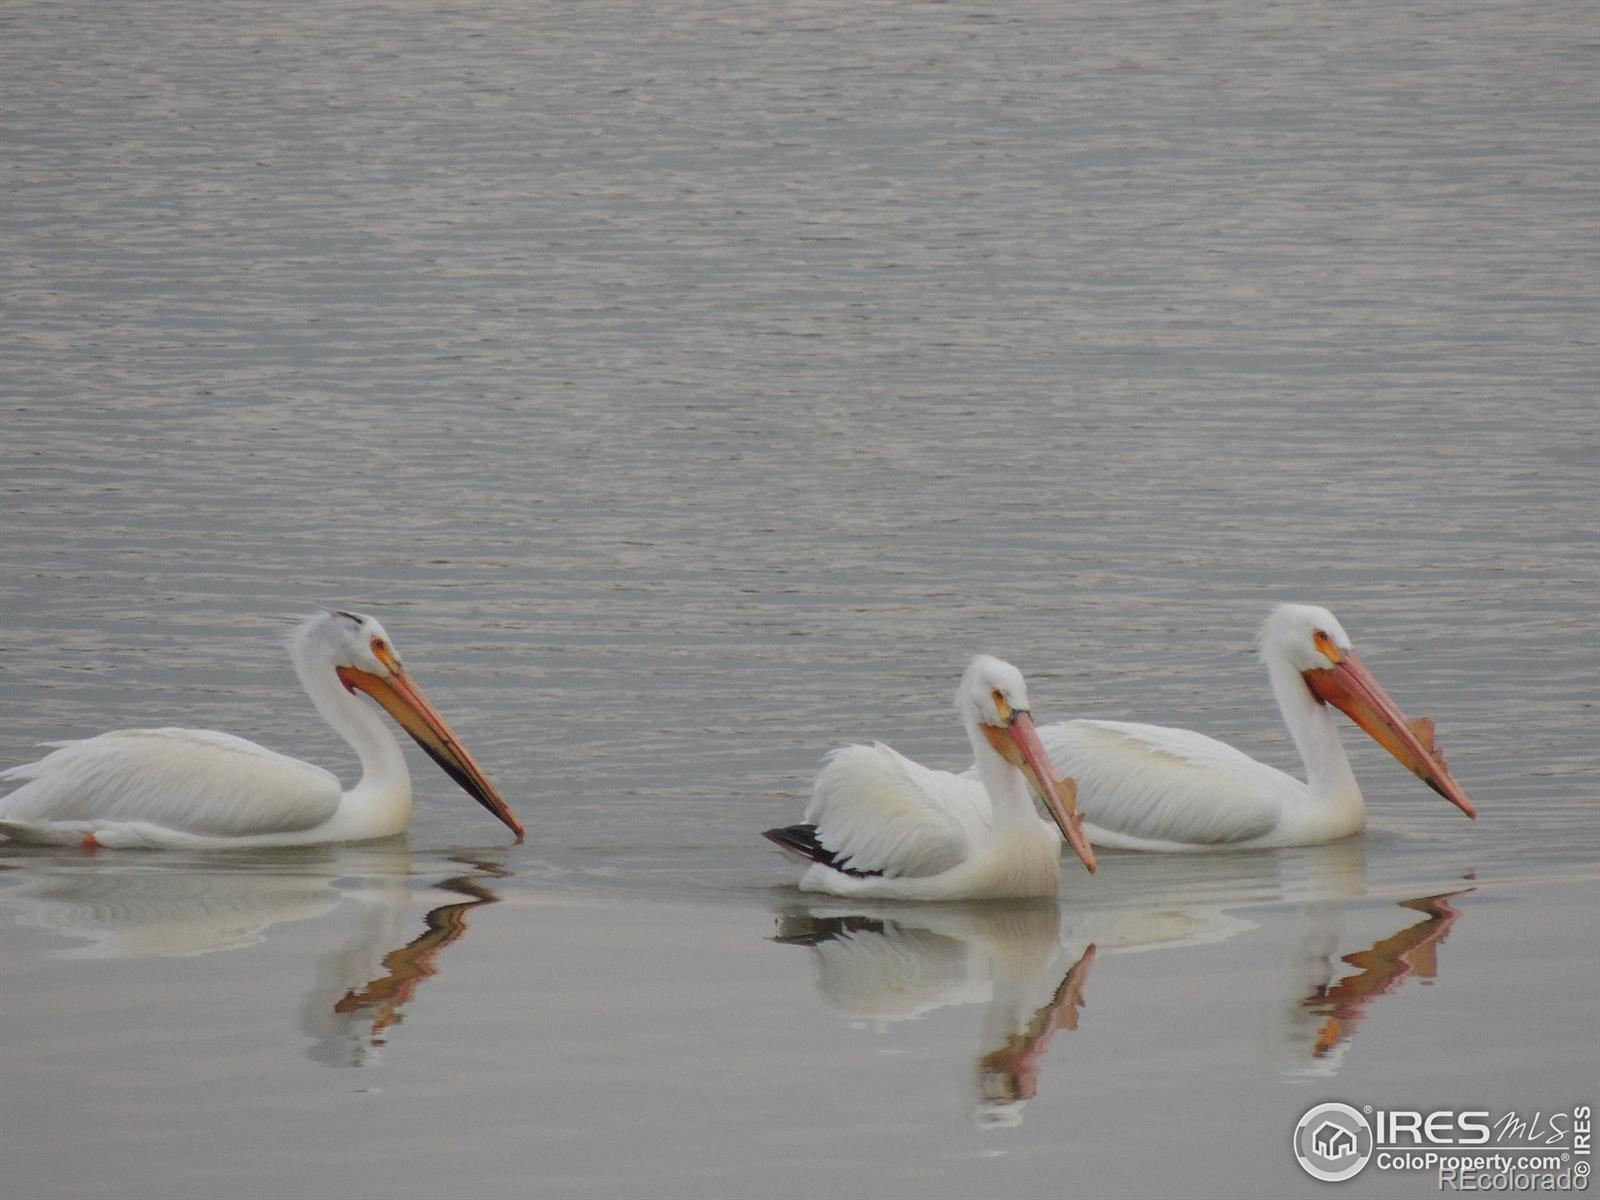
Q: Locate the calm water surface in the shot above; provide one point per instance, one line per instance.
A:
(691, 388)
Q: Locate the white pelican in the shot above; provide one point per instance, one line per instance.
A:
(1148, 787)
(198, 788)
(880, 825)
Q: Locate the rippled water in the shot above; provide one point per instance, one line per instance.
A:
(691, 388)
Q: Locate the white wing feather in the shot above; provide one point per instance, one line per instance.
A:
(193, 780)
(1139, 784)
(879, 811)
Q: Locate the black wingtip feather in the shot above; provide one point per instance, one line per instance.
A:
(802, 840)
(808, 930)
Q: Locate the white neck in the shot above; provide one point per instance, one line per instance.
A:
(1008, 788)
(380, 803)
(1316, 735)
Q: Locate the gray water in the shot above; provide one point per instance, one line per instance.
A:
(691, 388)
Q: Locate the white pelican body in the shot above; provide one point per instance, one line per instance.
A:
(1148, 787)
(881, 826)
(198, 788)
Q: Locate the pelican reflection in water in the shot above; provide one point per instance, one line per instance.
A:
(1009, 1074)
(134, 910)
(896, 964)
(128, 911)
(356, 1024)
(1383, 966)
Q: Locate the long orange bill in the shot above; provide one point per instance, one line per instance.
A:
(1350, 688)
(402, 701)
(1019, 744)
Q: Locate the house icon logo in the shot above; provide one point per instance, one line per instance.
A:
(1333, 1142)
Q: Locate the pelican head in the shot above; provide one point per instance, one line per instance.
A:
(1311, 640)
(993, 699)
(364, 658)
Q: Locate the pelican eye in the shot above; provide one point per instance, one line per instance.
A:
(1000, 705)
(1325, 646)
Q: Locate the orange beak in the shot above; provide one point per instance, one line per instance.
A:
(402, 701)
(1349, 687)
(1018, 743)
